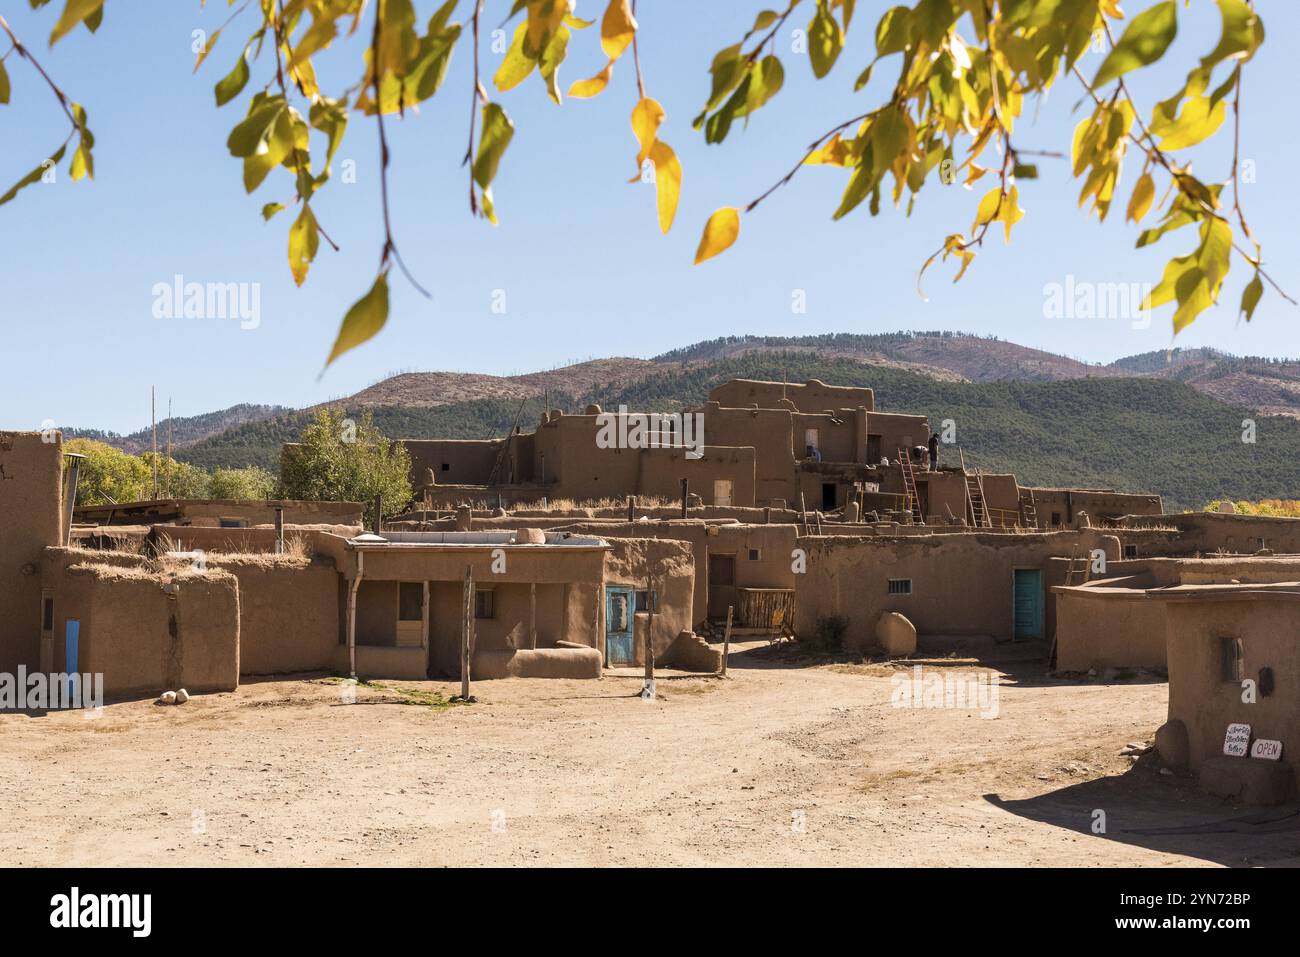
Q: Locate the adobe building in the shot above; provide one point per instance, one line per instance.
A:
(214, 594)
(807, 446)
(1224, 628)
(30, 521)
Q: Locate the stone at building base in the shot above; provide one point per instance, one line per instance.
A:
(1248, 780)
(895, 634)
(1171, 744)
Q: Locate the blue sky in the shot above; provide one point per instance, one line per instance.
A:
(578, 254)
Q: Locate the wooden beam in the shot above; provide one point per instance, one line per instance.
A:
(726, 641)
(466, 632)
(532, 615)
(648, 688)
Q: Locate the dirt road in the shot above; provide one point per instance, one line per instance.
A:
(777, 765)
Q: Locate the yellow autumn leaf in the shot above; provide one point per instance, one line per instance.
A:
(1140, 202)
(967, 257)
(1011, 213)
(668, 182)
(719, 233)
(988, 208)
(585, 89)
(834, 152)
(304, 240)
(617, 28)
(647, 116)
(366, 317)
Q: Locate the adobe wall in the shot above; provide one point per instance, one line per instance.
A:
(326, 540)
(944, 494)
(838, 438)
(467, 461)
(669, 568)
(811, 396)
(1101, 506)
(961, 583)
(663, 469)
(1109, 629)
(770, 433)
(772, 568)
(1205, 533)
(30, 520)
(141, 639)
(288, 613)
(210, 513)
(898, 430)
(1204, 701)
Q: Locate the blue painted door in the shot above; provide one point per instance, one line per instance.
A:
(619, 616)
(71, 639)
(1028, 602)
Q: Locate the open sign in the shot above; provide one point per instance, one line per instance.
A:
(1266, 749)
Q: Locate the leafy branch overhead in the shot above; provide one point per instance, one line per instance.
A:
(963, 73)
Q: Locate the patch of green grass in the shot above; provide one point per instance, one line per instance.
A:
(434, 700)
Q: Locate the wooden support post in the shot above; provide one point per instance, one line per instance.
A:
(631, 508)
(467, 633)
(803, 513)
(424, 621)
(648, 688)
(726, 641)
(686, 495)
(532, 615)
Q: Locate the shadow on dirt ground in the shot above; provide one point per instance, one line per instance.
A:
(1166, 813)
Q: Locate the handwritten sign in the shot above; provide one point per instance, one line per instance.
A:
(1237, 741)
(1266, 749)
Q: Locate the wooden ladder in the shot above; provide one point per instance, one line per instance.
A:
(1028, 510)
(975, 495)
(913, 501)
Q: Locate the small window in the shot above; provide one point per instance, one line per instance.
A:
(1231, 657)
(642, 600)
(900, 586)
(484, 603)
(47, 614)
(410, 601)
(446, 466)
(1056, 518)
(232, 522)
(1130, 551)
(755, 555)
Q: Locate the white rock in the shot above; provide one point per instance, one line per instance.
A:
(168, 697)
(182, 696)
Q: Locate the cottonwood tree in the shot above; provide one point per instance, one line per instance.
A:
(251, 483)
(108, 475)
(964, 72)
(344, 460)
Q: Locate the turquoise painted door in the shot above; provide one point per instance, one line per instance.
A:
(71, 642)
(1028, 602)
(618, 625)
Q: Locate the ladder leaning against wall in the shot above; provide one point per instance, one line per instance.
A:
(913, 500)
(979, 514)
